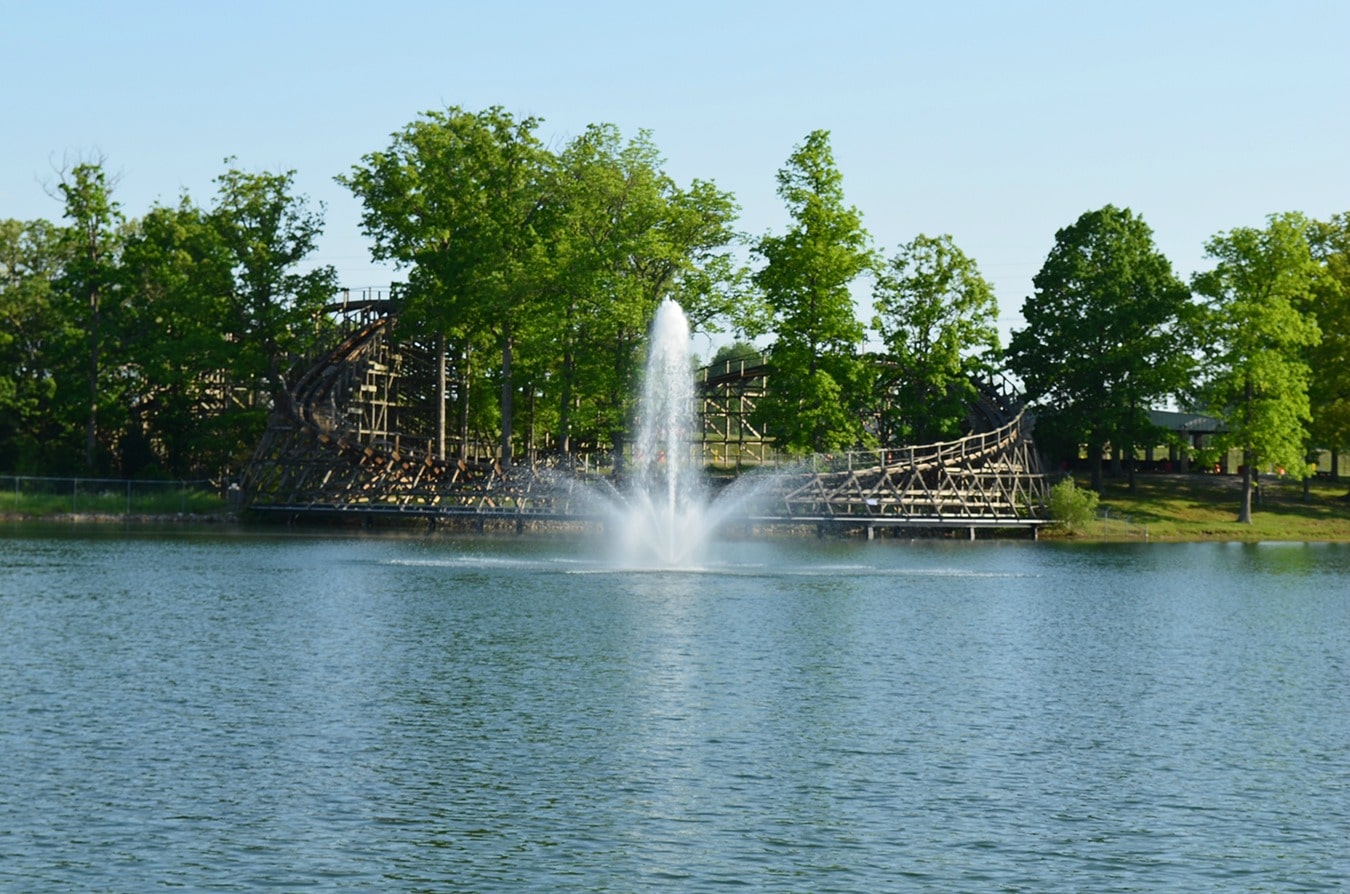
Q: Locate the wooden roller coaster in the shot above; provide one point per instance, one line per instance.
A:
(351, 438)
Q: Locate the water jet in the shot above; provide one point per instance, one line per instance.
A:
(664, 514)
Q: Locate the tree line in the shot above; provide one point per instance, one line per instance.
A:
(158, 344)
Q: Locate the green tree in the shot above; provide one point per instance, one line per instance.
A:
(459, 197)
(91, 245)
(938, 319)
(214, 314)
(819, 386)
(735, 352)
(1106, 334)
(268, 233)
(32, 332)
(1256, 374)
(178, 279)
(555, 261)
(1072, 508)
(1329, 360)
(627, 238)
(608, 269)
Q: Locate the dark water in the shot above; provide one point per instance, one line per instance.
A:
(215, 713)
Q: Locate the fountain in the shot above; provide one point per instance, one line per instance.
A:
(664, 516)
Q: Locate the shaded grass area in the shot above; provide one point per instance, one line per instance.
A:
(1205, 507)
(161, 502)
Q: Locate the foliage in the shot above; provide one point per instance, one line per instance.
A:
(625, 238)
(820, 388)
(557, 258)
(1256, 375)
(1105, 333)
(1072, 507)
(215, 315)
(161, 340)
(33, 328)
(1329, 360)
(267, 233)
(158, 345)
(90, 245)
(201, 380)
(738, 350)
(459, 197)
(938, 319)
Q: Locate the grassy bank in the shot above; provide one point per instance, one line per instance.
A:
(1160, 507)
(46, 498)
(1205, 507)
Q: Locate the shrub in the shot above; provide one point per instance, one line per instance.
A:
(1072, 507)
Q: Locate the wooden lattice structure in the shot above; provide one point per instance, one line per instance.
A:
(728, 395)
(987, 479)
(354, 435)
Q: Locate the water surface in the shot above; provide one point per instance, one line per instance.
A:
(431, 714)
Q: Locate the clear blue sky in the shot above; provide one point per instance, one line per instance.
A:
(996, 122)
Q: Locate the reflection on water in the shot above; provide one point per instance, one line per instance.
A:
(407, 714)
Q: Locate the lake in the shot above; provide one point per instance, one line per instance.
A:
(217, 711)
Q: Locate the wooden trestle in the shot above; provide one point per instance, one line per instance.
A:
(990, 479)
(351, 439)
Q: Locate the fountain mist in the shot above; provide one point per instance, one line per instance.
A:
(663, 517)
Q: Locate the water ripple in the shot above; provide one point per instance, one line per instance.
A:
(441, 715)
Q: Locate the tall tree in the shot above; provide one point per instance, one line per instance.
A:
(178, 279)
(268, 232)
(92, 242)
(818, 385)
(628, 238)
(1256, 374)
(939, 321)
(33, 332)
(1329, 360)
(608, 268)
(459, 197)
(1105, 335)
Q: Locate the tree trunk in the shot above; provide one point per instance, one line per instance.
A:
(91, 425)
(1245, 513)
(565, 403)
(465, 401)
(508, 392)
(1095, 463)
(440, 395)
(617, 436)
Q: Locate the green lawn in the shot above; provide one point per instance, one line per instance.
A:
(111, 500)
(1205, 507)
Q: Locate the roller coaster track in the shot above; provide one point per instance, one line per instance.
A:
(987, 479)
(314, 459)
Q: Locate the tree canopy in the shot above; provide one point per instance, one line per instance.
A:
(158, 344)
(1329, 360)
(1105, 334)
(180, 327)
(938, 319)
(569, 253)
(1255, 372)
(820, 387)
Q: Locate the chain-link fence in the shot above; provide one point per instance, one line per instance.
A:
(38, 496)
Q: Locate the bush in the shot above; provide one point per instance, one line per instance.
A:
(1072, 507)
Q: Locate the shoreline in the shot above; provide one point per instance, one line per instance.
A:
(1162, 508)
